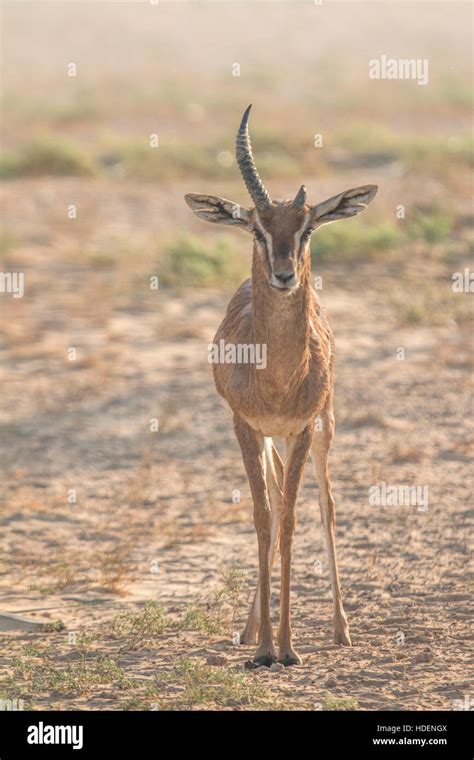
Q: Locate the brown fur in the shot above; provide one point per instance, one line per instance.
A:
(279, 308)
(281, 400)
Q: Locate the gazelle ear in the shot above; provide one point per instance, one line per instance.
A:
(342, 206)
(211, 208)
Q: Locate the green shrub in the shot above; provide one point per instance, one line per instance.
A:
(430, 225)
(191, 262)
(354, 240)
(46, 157)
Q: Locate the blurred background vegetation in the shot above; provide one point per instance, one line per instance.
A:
(85, 139)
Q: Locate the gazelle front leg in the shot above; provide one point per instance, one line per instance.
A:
(297, 450)
(251, 444)
(320, 449)
(274, 478)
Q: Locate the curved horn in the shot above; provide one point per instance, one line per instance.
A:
(247, 166)
(300, 199)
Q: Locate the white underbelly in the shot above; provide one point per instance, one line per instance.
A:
(276, 426)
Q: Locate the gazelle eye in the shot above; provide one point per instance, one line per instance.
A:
(258, 235)
(307, 233)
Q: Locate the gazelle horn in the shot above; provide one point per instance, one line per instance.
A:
(247, 166)
(300, 199)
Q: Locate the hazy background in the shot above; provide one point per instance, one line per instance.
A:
(92, 495)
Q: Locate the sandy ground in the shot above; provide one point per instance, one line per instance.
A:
(101, 514)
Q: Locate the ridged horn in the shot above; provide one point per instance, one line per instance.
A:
(247, 166)
(300, 199)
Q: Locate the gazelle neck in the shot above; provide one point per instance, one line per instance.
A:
(281, 321)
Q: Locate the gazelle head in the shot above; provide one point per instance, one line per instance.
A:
(282, 229)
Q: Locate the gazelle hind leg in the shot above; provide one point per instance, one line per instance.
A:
(274, 474)
(320, 449)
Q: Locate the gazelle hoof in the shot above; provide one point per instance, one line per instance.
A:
(290, 658)
(265, 659)
(342, 637)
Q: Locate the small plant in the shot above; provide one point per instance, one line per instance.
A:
(233, 581)
(188, 261)
(60, 572)
(39, 675)
(114, 565)
(354, 241)
(430, 225)
(205, 616)
(45, 157)
(217, 615)
(84, 641)
(340, 703)
(54, 626)
(203, 684)
(139, 628)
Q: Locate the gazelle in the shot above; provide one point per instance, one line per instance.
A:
(278, 307)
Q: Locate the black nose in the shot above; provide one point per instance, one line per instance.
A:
(285, 277)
